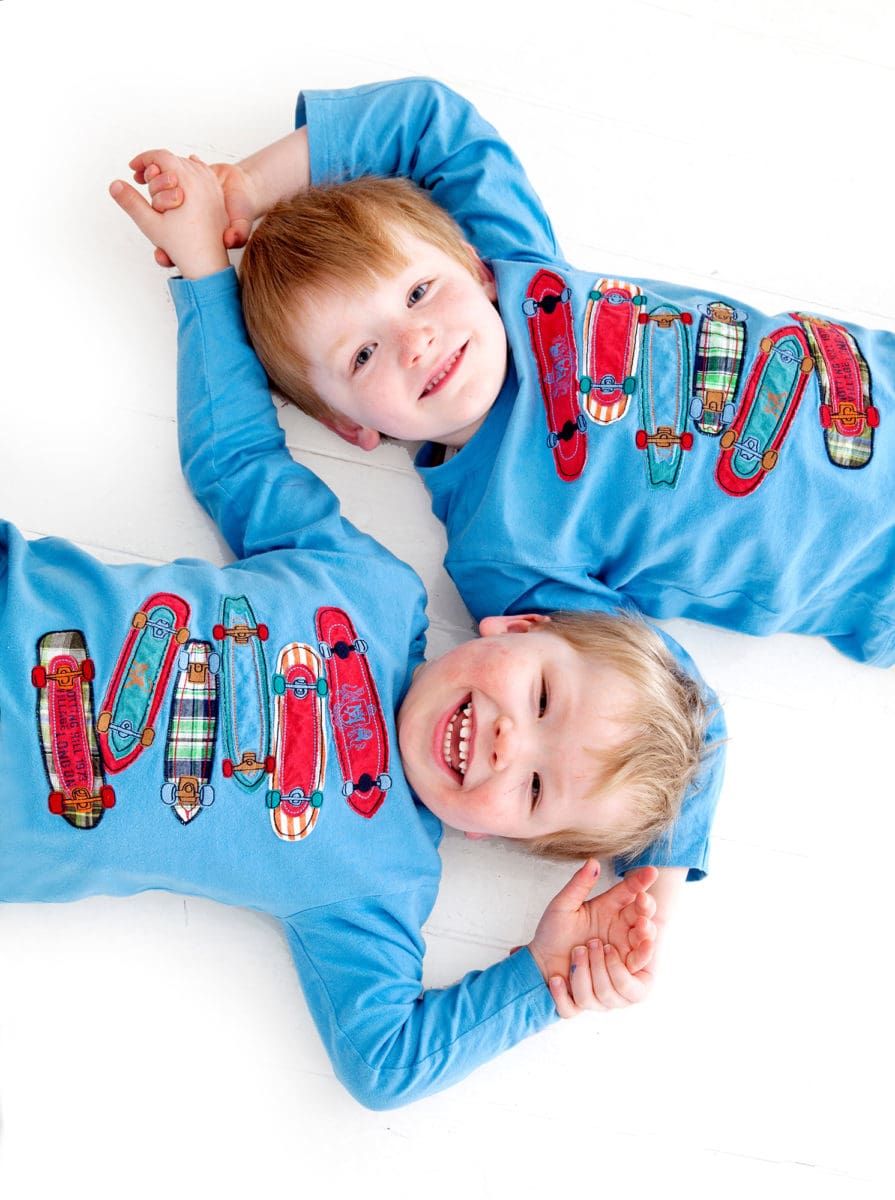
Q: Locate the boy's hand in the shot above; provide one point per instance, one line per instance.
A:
(610, 941)
(189, 234)
(166, 193)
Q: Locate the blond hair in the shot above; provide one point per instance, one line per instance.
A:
(338, 236)
(657, 765)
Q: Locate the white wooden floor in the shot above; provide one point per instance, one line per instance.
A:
(746, 147)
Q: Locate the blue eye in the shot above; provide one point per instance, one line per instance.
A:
(363, 357)
(417, 294)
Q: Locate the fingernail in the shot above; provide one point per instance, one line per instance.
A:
(116, 188)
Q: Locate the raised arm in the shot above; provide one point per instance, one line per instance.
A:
(232, 448)
(391, 1041)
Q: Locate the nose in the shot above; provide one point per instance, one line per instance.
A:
(506, 743)
(413, 341)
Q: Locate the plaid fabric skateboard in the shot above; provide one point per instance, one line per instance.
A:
(664, 381)
(134, 696)
(299, 759)
(65, 725)
(189, 751)
(720, 346)
(847, 415)
(751, 445)
(611, 347)
(358, 725)
(548, 307)
(244, 687)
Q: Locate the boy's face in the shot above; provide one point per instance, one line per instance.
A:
(419, 355)
(498, 735)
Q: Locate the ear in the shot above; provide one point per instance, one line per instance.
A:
(517, 623)
(354, 434)
(476, 837)
(484, 274)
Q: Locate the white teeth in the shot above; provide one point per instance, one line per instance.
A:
(438, 378)
(463, 715)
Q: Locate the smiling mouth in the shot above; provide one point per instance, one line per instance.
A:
(457, 738)
(444, 371)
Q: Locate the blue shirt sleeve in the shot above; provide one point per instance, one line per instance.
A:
(420, 129)
(390, 1040)
(232, 449)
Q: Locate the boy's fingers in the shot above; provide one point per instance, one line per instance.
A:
(561, 998)
(572, 896)
(641, 956)
(138, 209)
(237, 233)
(162, 258)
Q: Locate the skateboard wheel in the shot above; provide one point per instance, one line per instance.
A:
(279, 685)
(552, 440)
(686, 318)
(270, 764)
(169, 794)
(273, 799)
(384, 782)
(640, 439)
(325, 650)
(595, 295)
(806, 366)
(214, 662)
(227, 768)
(39, 677)
(696, 409)
(581, 422)
(769, 460)
(687, 441)
(218, 632)
(728, 437)
(359, 646)
(181, 636)
(629, 385)
(103, 722)
(826, 416)
(315, 799)
(107, 796)
(765, 345)
(138, 620)
(321, 686)
(642, 318)
(147, 737)
(263, 633)
(348, 788)
(206, 795)
(565, 295)
(55, 802)
(585, 383)
(88, 670)
(872, 416)
(728, 412)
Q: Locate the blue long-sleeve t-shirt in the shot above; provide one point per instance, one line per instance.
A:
(229, 732)
(652, 444)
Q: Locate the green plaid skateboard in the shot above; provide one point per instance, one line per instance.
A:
(189, 751)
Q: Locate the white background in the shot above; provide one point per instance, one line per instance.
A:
(744, 148)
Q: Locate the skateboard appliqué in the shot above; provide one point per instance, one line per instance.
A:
(611, 341)
(298, 762)
(126, 721)
(847, 413)
(664, 381)
(244, 690)
(63, 676)
(548, 307)
(359, 728)
(750, 446)
(720, 346)
(189, 750)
